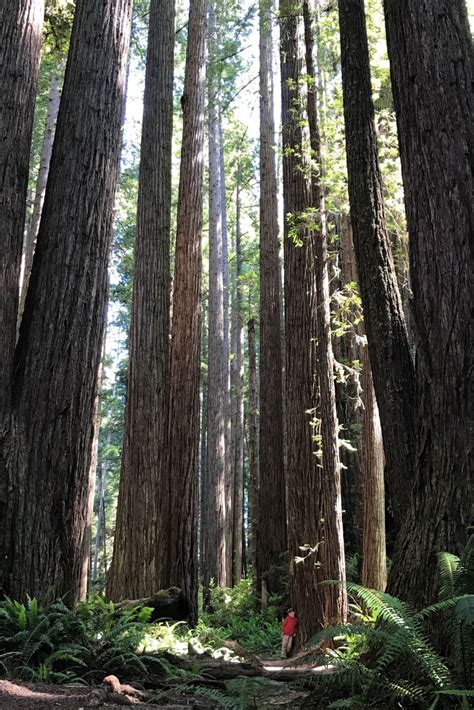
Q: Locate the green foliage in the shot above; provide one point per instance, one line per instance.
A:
(457, 582)
(241, 694)
(352, 568)
(387, 659)
(234, 618)
(58, 644)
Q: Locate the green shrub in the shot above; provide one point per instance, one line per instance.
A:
(389, 661)
(58, 644)
(234, 618)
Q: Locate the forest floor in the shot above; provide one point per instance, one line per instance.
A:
(279, 690)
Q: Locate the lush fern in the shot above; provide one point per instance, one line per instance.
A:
(402, 668)
(240, 694)
(58, 644)
(457, 584)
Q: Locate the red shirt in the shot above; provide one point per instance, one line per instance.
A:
(289, 626)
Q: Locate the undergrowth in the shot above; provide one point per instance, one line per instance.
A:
(56, 644)
(385, 657)
(390, 661)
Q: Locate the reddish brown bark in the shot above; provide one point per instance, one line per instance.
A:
(252, 446)
(21, 24)
(140, 566)
(45, 159)
(216, 550)
(271, 544)
(238, 414)
(59, 347)
(185, 333)
(392, 367)
(332, 537)
(430, 51)
(374, 555)
(304, 480)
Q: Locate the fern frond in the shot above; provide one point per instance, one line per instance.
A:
(331, 632)
(219, 699)
(447, 567)
(392, 610)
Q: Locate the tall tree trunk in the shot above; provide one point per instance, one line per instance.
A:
(374, 555)
(91, 483)
(45, 159)
(304, 480)
(272, 542)
(238, 423)
(430, 53)
(216, 550)
(21, 23)
(389, 352)
(332, 549)
(139, 565)
(185, 340)
(100, 540)
(252, 448)
(227, 414)
(204, 482)
(59, 347)
(347, 351)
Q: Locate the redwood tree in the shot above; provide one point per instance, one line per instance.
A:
(48, 447)
(216, 550)
(271, 543)
(374, 554)
(21, 23)
(332, 538)
(252, 430)
(140, 565)
(304, 481)
(237, 451)
(430, 53)
(185, 332)
(40, 190)
(389, 352)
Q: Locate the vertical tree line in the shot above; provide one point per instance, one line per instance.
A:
(232, 416)
(271, 542)
(47, 447)
(140, 565)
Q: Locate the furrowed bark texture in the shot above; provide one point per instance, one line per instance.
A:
(229, 479)
(392, 366)
(99, 543)
(86, 561)
(185, 340)
(140, 566)
(272, 541)
(216, 549)
(238, 423)
(252, 447)
(59, 347)
(203, 468)
(349, 404)
(430, 52)
(304, 480)
(332, 549)
(45, 159)
(374, 555)
(21, 24)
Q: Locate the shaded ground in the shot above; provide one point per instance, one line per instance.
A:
(278, 674)
(35, 695)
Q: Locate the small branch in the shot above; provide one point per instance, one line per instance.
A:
(234, 54)
(242, 88)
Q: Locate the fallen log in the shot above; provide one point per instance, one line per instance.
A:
(224, 670)
(167, 604)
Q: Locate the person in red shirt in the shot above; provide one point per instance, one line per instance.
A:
(288, 630)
